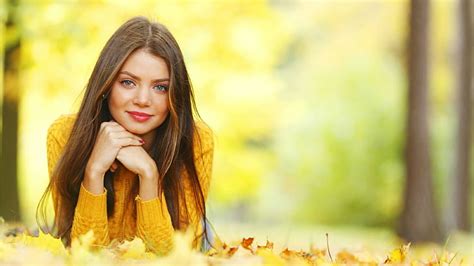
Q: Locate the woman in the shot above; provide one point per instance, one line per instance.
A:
(132, 161)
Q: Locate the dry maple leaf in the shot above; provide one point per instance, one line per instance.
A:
(309, 257)
(269, 246)
(225, 251)
(247, 244)
(286, 254)
(320, 253)
(300, 256)
(346, 257)
(232, 250)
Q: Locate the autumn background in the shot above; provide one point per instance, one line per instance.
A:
(308, 100)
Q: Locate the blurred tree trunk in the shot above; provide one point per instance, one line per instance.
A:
(418, 222)
(459, 211)
(9, 200)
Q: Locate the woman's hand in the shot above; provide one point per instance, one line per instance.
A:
(111, 138)
(137, 160)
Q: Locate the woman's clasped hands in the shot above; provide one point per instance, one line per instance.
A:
(114, 143)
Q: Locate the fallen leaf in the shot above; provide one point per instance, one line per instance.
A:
(247, 244)
(268, 245)
(398, 255)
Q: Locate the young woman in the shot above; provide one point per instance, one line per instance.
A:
(134, 161)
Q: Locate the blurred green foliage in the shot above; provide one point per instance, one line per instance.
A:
(343, 138)
(306, 98)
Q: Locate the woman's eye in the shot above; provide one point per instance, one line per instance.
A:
(160, 88)
(127, 83)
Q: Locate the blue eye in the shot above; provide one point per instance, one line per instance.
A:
(127, 83)
(160, 88)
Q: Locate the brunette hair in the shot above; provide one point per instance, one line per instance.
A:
(173, 146)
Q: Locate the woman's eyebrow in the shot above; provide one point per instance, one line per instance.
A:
(137, 78)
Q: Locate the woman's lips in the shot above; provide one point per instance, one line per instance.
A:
(140, 117)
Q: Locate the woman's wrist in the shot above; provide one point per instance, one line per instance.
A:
(149, 172)
(148, 189)
(93, 186)
(93, 181)
(148, 183)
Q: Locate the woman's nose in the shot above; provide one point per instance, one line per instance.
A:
(142, 97)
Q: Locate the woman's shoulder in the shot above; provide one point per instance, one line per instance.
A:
(61, 127)
(204, 134)
(203, 128)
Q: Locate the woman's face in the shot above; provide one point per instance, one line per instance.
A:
(138, 99)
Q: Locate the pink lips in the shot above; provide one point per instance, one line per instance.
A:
(140, 117)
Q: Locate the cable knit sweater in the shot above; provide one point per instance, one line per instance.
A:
(153, 221)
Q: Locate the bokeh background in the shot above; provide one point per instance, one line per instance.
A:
(307, 100)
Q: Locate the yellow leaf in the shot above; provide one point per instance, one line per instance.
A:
(269, 246)
(346, 257)
(5, 250)
(84, 252)
(84, 241)
(44, 241)
(270, 258)
(320, 253)
(183, 253)
(398, 255)
(134, 249)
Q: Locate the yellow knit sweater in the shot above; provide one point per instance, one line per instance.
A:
(153, 221)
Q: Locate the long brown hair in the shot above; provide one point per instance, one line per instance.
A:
(173, 146)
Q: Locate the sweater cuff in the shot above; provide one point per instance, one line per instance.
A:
(90, 205)
(151, 212)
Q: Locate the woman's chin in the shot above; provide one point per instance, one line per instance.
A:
(137, 132)
(139, 128)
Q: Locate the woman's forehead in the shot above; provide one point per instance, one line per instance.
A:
(144, 65)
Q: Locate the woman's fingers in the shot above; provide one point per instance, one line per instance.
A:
(111, 127)
(123, 142)
(114, 130)
(109, 124)
(123, 135)
(111, 138)
(113, 167)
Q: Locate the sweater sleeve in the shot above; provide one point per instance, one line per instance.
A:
(91, 210)
(91, 214)
(154, 224)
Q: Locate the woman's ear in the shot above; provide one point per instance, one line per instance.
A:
(105, 95)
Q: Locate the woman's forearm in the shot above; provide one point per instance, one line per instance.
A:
(93, 182)
(148, 184)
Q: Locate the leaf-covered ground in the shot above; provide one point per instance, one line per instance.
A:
(21, 249)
